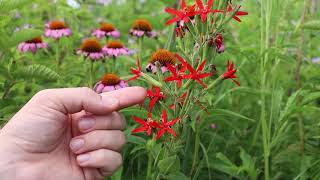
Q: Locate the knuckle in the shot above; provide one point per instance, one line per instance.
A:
(117, 161)
(87, 91)
(120, 137)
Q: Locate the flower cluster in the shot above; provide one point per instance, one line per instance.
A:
(172, 74)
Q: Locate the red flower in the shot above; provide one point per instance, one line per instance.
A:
(136, 72)
(230, 74)
(178, 74)
(154, 96)
(196, 75)
(183, 15)
(239, 13)
(166, 126)
(146, 125)
(204, 11)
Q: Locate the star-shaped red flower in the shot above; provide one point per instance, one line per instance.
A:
(183, 15)
(154, 96)
(146, 125)
(166, 126)
(230, 74)
(196, 75)
(204, 11)
(137, 72)
(178, 74)
(239, 13)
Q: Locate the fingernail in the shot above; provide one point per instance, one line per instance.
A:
(76, 144)
(86, 123)
(83, 158)
(111, 102)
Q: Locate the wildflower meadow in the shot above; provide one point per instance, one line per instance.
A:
(233, 86)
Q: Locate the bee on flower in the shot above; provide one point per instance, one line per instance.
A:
(161, 57)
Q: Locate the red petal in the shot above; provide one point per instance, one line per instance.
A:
(237, 18)
(173, 122)
(171, 131)
(200, 4)
(201, 82)
(139, 120)
(160, 133)
(242, 13)
(164, 116)
(210, 3)
(183, 4)
(152, 103)
(204, 75)
(149, 131)
(173, 11)
(173, 20)
(140, 129)
(202, 65)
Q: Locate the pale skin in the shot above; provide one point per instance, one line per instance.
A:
(66, 134)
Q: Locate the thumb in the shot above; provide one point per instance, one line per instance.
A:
(73, 100)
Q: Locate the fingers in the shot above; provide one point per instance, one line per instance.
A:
(73, 100)
(112, 121)
(107, 161)
(98, 139)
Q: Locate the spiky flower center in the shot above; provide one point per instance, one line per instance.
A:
(163, 56)
(35, 40)
(142, 25)
(115, 44)
(107, 27)
(110, 79)
(54, 25)
(91, 45)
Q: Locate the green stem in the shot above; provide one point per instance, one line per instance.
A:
(114, 64)
(149, 168)
(91, 74)
(263, 71)
(196, 149)
(57, 55)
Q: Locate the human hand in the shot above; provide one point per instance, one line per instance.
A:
(66, 134)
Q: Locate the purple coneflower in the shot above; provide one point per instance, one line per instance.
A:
(32, 45)
(110, 82)
(141, 28)
(91, 49)
(115, 49)
(57, 30)
(106, 30)
(162, 57)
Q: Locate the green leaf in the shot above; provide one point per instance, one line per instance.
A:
(136, 139)
(169, 164)
(230, 113)
(225, 165)
(177, 176)
(248, 164)
(39, 71)
(312, 25)
(311, 97)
